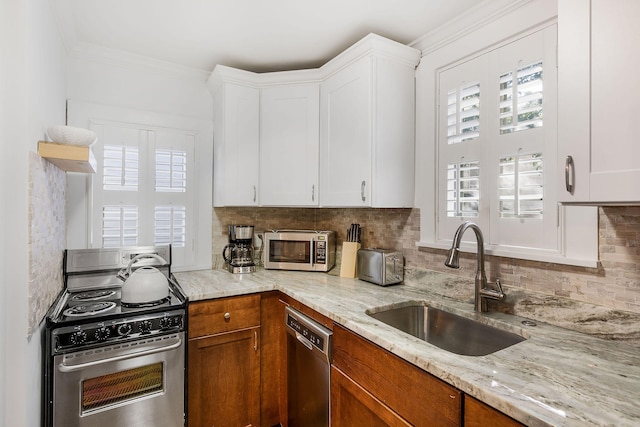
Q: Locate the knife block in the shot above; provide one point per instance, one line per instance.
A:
(349, 259)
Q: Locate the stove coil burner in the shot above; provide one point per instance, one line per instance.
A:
(89, 309)
(145, 304)
(92, 295)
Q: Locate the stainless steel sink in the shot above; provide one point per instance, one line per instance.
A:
(446, 330)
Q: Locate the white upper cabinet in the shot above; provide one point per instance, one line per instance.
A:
(599, 100)
(236, 129)
(289, 120)
(367, 108)
(341, 135)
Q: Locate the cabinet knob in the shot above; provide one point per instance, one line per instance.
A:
(227, 316)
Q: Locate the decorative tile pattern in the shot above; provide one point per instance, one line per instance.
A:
(615, 283)
(46, 236)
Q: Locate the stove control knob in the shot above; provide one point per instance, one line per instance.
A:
(78, 337)
(124, 329)
(102, 334)
(165, 323)
(145, 326)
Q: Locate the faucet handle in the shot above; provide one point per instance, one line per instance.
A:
(496, 294)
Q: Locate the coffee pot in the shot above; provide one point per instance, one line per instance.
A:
(239, 249)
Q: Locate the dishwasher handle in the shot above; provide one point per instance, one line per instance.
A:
(305, 342)
(314, 336)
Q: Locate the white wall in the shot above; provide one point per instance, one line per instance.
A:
(32, 98)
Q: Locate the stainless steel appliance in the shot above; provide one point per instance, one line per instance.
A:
(308, 375)
(240, 248)
(380, 266)
(108, 362)
(305, 250)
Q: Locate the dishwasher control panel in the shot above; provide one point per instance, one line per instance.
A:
(308, 331)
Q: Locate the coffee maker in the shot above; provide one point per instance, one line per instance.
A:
(240, 248)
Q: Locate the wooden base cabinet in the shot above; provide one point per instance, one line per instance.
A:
(383, 388)
(477, 414)
(352, 405)
(224, 362)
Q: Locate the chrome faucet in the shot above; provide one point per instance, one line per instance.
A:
(482, 292)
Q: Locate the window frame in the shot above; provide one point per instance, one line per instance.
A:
(576, 226)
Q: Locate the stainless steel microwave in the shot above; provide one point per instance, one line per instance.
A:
(305, 250)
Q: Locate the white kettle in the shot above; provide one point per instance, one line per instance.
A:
(147, 284)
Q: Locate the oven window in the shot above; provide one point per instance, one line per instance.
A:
(290, 251)
(121, 386)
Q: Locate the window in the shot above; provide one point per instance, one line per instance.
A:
(496, 145)
(143, 188)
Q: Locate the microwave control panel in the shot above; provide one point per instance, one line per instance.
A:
(320, 252)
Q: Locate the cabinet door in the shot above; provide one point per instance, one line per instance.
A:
(351, 405)
(289, 135)
(598, 99)
(224, 380)
(615, 100)
(390, 379)
(345, 136)
(477, 414)
(236, 147)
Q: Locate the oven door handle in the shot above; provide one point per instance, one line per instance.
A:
(70, 368)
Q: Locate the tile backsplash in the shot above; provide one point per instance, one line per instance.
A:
(614, 283)
(46, 236)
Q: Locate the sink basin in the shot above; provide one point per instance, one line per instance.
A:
(446, 330)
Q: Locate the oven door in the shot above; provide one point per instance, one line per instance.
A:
(138, 383)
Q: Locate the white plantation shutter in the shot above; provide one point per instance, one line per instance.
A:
(463, 190)
(143, 190)
(171, 171)
(463, 108)
(521, 95)
(120, 168)
(496, 125)
(170, 225)
(461, 145)
(119, 226)
(521, 186)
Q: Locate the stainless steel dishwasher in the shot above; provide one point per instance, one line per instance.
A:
(308, 363)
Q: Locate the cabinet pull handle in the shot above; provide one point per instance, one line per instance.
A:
(255, 340)
(362, 190)
(313, 193)
(569, 177)
(254, 193)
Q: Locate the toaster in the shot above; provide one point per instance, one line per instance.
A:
(381, 266)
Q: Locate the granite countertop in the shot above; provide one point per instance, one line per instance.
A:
(564, 374)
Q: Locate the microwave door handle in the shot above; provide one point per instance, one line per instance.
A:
(312, 251)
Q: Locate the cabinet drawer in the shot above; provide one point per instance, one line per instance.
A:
(415, 395)
(223, 315)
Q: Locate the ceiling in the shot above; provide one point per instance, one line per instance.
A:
(255, 35)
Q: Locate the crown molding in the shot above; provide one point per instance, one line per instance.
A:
(481, 15)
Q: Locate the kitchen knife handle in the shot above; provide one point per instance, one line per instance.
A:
(569, 176)
(362, 190)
